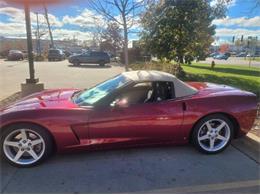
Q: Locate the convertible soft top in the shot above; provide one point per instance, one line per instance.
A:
(181, 89)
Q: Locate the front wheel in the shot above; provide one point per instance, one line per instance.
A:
(76, 63)
(25, 145)
(213, 134)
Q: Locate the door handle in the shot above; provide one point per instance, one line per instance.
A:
(184, 106)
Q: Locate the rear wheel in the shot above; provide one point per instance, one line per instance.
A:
(101, 63)
(26, 145)
(213, 134)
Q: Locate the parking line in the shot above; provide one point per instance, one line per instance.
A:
(209, 187)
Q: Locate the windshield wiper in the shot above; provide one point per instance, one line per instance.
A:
(75, 94)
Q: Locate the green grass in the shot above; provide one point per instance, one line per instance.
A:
(254, 59)
(238, 76)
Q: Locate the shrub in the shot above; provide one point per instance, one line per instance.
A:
(39, 58)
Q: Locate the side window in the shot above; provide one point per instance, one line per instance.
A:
(146, 92)
(86, 54)
(137, 94)
(162, 90)
(94, 54)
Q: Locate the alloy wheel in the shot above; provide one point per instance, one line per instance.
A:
(214, 135)
(23, 146)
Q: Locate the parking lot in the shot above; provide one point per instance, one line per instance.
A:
(241, 61)
(173, 169)
(60, 74)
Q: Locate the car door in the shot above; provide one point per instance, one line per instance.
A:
(143, 123)
(94, 56)
(85, 58)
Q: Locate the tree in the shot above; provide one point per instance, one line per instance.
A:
(49, 26)
(112, 38)
(123, 12)
(180, 30)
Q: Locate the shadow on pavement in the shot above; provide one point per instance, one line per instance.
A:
(161, 169)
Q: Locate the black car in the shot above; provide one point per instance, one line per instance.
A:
(56, 54)
(90, 57)
(221, 57)
(242, 54)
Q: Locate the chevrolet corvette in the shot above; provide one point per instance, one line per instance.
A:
(136, 108)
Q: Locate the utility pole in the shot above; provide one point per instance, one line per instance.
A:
(49, 27)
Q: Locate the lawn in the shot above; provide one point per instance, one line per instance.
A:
(254, 59)
(238, 76)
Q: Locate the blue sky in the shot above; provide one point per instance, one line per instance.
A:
(76, 20)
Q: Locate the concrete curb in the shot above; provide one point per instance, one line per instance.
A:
(253, 137)
(249, 145)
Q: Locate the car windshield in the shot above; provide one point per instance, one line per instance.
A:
(93, 95)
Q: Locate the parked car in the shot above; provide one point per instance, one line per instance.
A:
(242, 54)
(228, 54)
(56, 54)
(91, 57)
(133, 108)
(250, 55)
(221, 57)
(67, 53)
(15, 55)
(25, 53)
(213, 54)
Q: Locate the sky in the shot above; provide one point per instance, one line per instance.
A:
(76, 20)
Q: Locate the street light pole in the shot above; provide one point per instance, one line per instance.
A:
(29, 44)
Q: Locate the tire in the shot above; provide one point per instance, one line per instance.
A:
(34, 146)
(76, 63)
(209, 132)
(102, 63)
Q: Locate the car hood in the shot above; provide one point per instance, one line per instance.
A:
(50, 99)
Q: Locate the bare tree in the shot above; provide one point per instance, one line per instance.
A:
(49, 26)
(97, 30)
(112, 38)
(123, 12)
(39, 32)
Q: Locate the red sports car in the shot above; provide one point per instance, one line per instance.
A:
(133, 108)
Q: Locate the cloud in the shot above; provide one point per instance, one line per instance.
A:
(17, 15)
(12, 29)
(85, 19)
(240, 22)
(60, 34)
(17, 30)
(15, 27)
(236, 32)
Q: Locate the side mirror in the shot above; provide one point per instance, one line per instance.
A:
(120, 103)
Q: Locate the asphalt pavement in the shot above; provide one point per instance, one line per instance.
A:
(60, 74)
(175, 169)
